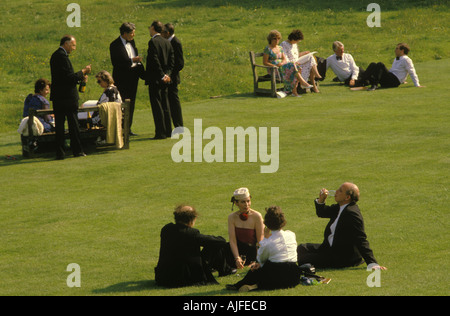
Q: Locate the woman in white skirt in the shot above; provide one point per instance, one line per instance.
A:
(304, 60)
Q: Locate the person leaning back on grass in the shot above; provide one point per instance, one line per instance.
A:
(377, 73)
(345, 242)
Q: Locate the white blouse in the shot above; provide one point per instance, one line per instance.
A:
(281, 246)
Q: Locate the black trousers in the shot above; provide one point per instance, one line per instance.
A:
(160, 109)
(175, 106)
(273, 276)
(322, 257)
(69, 109)
(128, 89)
(377, 73)
(359, 82)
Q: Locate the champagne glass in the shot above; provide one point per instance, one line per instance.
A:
(243, 258)
(331, 192)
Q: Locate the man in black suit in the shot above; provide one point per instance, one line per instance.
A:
(64, 95)
(345, 242)
(181, 260)
(160, 64)
(127, 65)
(174, 100)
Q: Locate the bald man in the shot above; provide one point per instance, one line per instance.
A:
(345, 242)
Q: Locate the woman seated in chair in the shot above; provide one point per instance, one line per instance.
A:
(274, 57)
(309, 65)
(110, 92)
(276, 265)
(38, 101)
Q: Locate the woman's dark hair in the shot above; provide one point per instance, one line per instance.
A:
(40, 85)
(184, 214)
(274, 218)
(296, 35)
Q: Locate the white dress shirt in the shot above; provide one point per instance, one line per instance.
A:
(130, 50)
(333, 226)
(402, 67)
(343, 68)
(281, 246)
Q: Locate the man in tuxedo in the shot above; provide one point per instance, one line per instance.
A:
(345, 242)
(181, 261)
(160, 64)
(377, 73)
(344, 67)
(64, 95)
(174, 100)
(127, 65)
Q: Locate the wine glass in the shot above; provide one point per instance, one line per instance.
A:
(243, 258)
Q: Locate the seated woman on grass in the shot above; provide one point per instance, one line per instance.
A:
(38, 101)
(276, 267)
(245, 230)
(274, 57)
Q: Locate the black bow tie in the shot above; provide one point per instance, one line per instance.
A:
(128, 42)
(398, 58)
(339, 57)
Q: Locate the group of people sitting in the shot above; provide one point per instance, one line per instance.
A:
(299, 70)
(188, 257)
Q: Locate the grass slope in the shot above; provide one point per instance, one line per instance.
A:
(104, 212)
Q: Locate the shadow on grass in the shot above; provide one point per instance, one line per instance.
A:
(125, 287)
(307, 5)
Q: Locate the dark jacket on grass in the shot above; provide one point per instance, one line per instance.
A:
(180, 259)
(350, 245)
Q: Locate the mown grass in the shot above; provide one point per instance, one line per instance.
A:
(217, 36)
(105, 211)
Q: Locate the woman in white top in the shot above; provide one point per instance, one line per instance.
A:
(308, 64)
(276, 265)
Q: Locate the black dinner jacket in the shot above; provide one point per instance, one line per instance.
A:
(122, 70)
(160, 60)
(350, 240)
(178, 58)
(64, 79)
(180, 262)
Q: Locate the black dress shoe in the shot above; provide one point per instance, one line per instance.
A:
(133, 134)
(158, 137)
(80, 155)
(372, 88)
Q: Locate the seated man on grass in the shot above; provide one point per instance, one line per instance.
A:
(377, 73)
(345, 241)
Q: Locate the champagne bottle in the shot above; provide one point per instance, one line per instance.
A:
(82, 87)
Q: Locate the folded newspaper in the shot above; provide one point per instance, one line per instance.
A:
(305, 58)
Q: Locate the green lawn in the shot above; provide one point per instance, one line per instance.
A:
(105, 211)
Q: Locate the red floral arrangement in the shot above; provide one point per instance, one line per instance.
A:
(243, 216)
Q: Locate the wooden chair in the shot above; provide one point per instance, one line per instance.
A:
(272, 77)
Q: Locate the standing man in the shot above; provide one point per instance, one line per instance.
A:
(160, 64)
(377, 73)
(174, 100)
(64, 95)
(127, 66)
(345, 243)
